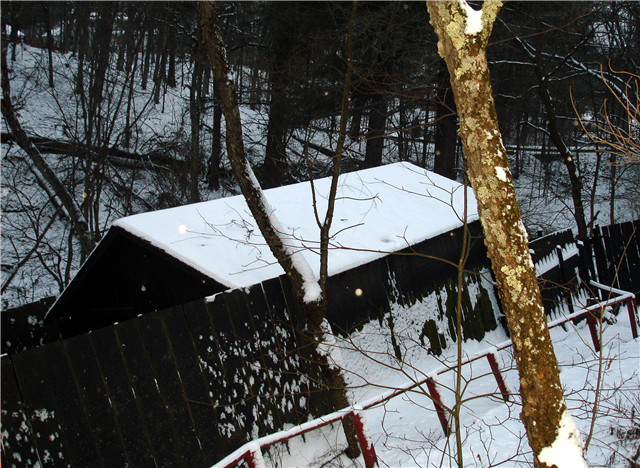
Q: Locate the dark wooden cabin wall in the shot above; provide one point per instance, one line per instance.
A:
(125, 278)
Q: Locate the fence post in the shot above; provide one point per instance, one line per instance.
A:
(437, 402)
(591, 321)
(366, 444)
(632, 309)
(498, 375)
(254, 456)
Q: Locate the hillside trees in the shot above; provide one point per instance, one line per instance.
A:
(463, 36)
(49, 180)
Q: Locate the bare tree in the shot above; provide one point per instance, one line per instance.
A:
(621, 139)
(57, 191)
(463, 36)
(310, 297)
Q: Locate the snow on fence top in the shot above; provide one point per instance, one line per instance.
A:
(378, 210)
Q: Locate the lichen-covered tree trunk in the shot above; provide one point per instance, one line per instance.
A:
(463, 35)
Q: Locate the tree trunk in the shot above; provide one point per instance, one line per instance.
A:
(308, 295)
(195, 111)
(375, 135)
(47, 25)
(446, 137)
(275, 160)
(558, 142)
(213, 171)
(463, 46)
(78, 221)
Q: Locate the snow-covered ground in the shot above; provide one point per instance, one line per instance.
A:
(406, 431)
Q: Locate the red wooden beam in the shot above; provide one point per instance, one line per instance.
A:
(437, 402)
(592, 321)
(495, 368)
(366, 444)
(632, 309)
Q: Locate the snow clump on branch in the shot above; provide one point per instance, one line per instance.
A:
(473, 23)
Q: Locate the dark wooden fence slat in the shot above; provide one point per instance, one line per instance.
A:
(54, 407)
(125, 407)
(269, 374)
(615, 245)
(634, 257)
(140, 374)
(600, 256)
(196, 391)
(611, 255)
(292, 381)
(240, 356)
(97, 405)
(220, 365)
(629, 242)
(162, 359)
(19, 444)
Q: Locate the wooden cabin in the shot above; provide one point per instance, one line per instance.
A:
(156, 260)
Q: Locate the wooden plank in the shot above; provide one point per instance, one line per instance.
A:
(600, 256)
(125, 405)
(293, 385)
(219, 367)
(319, 399)
(194, 383)
(612, 252)
(240, 357)
(270, 370)
(54, 407)
(96, 402)
(631, 282)
(634, 257)
(216, 352)
(18, 441)
(154, 335)
(611, 237)
(154, 414)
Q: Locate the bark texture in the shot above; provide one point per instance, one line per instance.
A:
(505, 235)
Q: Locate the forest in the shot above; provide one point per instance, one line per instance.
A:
(120, 101)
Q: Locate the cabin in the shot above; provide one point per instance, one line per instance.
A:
(383, 216)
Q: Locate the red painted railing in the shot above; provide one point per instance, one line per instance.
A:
(252, 451)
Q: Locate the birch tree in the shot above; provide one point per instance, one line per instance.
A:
(463, 35)
(310, 296)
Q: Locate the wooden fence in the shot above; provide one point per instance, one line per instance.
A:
(612, 256)
(178, 387)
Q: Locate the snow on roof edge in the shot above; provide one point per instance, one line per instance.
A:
(379, 211)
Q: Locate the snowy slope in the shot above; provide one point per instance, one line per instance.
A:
(406, 431)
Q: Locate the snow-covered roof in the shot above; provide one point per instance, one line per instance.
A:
(377, 211)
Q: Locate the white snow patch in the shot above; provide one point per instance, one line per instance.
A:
(566, 450)
(473, 24)
(501, 173)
